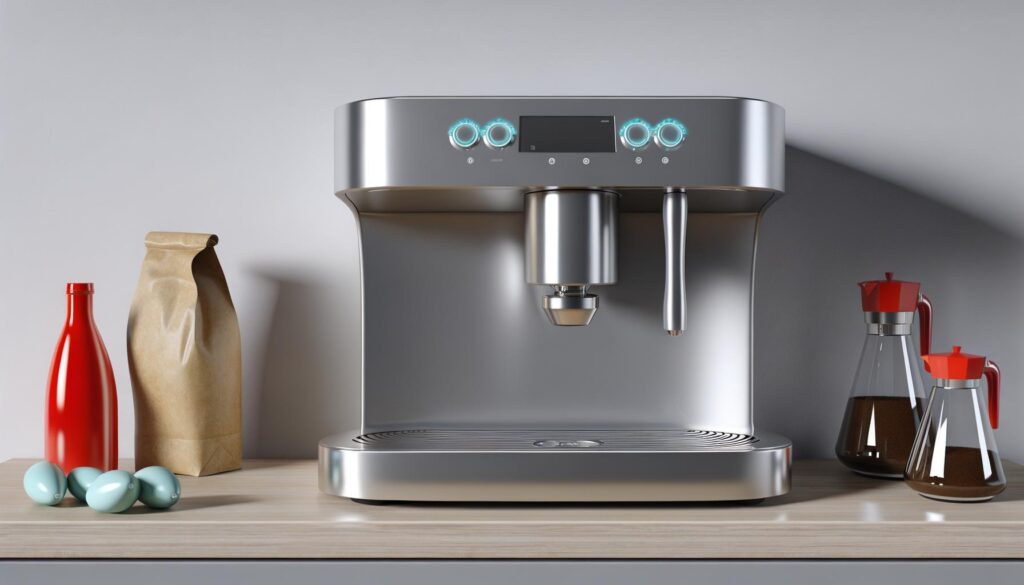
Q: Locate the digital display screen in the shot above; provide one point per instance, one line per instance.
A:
(566, 134)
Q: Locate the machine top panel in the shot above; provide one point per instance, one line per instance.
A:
(522, 143)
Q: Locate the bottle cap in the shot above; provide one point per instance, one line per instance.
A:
(80, 288)
(889, 296)
(954, 365)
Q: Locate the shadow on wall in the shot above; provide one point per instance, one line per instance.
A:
(837, 226)
(303, 391)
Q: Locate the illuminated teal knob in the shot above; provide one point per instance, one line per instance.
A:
(464, 134)
(669, 133)
(499, 133)
(635, 134)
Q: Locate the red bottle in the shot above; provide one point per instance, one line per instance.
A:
(81, 403)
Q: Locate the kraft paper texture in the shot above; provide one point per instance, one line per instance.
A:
(185, 359)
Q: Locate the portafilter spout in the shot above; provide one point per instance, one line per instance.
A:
(674, 211)
(570, 245)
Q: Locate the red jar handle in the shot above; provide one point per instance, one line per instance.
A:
(924, 313)
(993, 376)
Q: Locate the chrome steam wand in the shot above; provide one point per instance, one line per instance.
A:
(674, 212)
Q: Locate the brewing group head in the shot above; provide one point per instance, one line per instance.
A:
(570, 245)
(570, 306)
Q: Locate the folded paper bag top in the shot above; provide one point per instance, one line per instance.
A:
(184, 356)
(180, 241)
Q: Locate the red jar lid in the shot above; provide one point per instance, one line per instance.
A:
(954, 365)
(889, 296)
(79, 288)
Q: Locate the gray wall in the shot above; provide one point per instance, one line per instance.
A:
(120, 117)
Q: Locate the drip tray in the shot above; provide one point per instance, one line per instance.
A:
(554, 465)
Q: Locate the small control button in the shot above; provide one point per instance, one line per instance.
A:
(499, 133)
(469, 160)
(586, 161)
(669, 134)
(635, 134)
(464, 134)
(638, 160)
(551, 161)
(664, 160)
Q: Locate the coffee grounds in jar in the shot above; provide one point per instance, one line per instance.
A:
(963, 475)
(878, 434)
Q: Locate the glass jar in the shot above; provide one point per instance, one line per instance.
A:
(955, 457)
(887, 399)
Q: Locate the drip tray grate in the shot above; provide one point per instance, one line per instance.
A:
(535, 440)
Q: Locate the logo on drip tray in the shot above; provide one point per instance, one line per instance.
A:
(575, 444)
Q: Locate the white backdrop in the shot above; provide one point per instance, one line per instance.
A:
(118, 117)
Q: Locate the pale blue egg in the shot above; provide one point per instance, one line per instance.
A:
(80, 479)
(113, 492)
(45, 483)
(160, 489)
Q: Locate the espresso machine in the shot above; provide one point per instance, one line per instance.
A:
(557, 299)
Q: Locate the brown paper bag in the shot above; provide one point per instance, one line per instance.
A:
(185, 359)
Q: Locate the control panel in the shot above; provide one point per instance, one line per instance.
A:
(568, 134)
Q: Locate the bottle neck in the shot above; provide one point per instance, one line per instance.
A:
(79, 308)
(889, 323)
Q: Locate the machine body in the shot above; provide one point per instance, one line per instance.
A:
(557, 299)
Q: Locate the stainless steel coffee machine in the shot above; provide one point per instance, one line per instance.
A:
(557, 299)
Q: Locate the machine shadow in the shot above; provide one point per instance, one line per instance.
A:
(301, 392)
(837, 226)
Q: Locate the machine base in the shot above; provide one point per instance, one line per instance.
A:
(554, 466)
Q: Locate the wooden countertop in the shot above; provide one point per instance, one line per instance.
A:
(272, 509)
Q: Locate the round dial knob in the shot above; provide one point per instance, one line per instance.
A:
(499, 133)
(464, 134)
(635, 134)
(669, 133)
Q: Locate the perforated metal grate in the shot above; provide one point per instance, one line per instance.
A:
(615, 440)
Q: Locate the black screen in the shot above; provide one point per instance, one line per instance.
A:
(566, 134)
